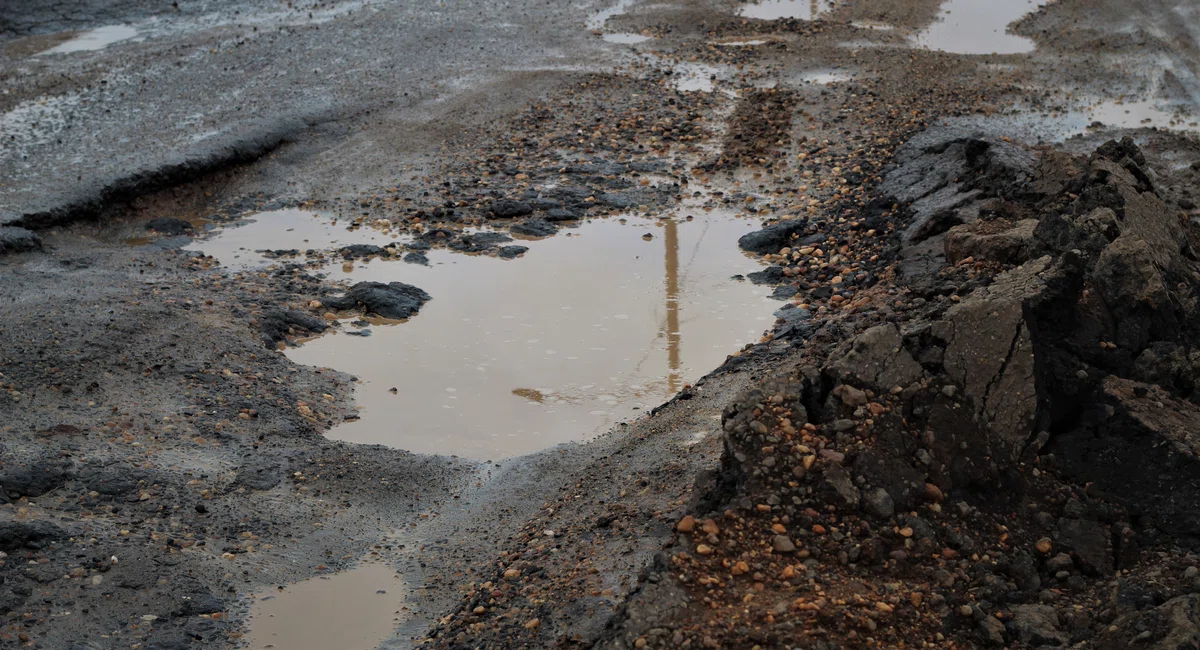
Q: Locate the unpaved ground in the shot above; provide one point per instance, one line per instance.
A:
(145, 420)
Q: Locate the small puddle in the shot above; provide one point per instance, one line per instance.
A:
(591, 327)
(352, 610)
(238, 245)
(825, 77)
(598, 19)
(778, 9)
(978, 27)
(872, 25)
(689, 76)
(94, 39)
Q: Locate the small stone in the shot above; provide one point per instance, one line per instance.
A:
(710, 527)
(740, 568)
(704, 549)
(512, 574)
(781, 544)
(884, 607)
(532, 624)
(686, 525)
(965, 610)
(934, 493)
(1191, 572)
(1044, 545)
(479, 610)
(949, 390)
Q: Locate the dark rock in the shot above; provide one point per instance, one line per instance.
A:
(545, 204)
(32, 478)
(509, 252)
(18, 240)
(839, 488)
(170, 226)
(355, 251)
(508, 209)
(773, 237)
(416, 258)
(769, 275)
(259, 475)
(534, 228)
(875, 359)
(277, 323)
(392, 300)
(1037, 625)
(878, 503)
(113, 480)
(15, 535)
(561, 214)
(1089, 543)
(199, 603)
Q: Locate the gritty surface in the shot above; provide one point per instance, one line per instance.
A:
(938, 459)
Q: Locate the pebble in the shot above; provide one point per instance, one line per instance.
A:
(686, 525)
(781, 544)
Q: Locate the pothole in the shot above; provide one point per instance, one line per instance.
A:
(978, 27)
(93, 39)
(352, 610)
(588, 329)
(778, 9)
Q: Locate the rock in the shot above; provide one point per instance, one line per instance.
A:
(32, 477)
(114, 480)
(878, 503)
(355, 251)
(18, 240)
(781, 544)
(773, 237)
(1037, 625)
(510, 252)
(478, 242)
(990, 354)
(534, 228)
(876, 358)
(839, 488)
(1011, 246)
(561, 214)
(199, 603)
(416, 258)
(1134, 291)
(277, 323)
(686, 525)
(1060, 562)
(259, 475)
(169, 226)
(508, 209)
(991, 630)
(1089, 544)
(769, 275)
(1177, 623)
(392, 300)
(16, 535)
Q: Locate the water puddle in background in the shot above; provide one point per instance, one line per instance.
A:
(236, 245)
(978, 27)
(777, 9)
(868, 24)
(688, 76)
(352, 610)
(597, 20)
(825, 77)
(94, 39)
(584, 331)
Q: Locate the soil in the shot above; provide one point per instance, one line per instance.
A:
(969, 426)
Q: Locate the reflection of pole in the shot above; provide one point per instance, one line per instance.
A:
(673, 334)
(812, 10)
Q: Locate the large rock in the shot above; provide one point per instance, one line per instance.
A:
(990, 354)
(1008, 246)
(508, 209)
(276, 324)
(391, 300)
(17, 240)
(1037, 625)
(1089, 543)
(773, 237)
(1133, 289)
(15, 535)
(875, 359)
(1174, 625)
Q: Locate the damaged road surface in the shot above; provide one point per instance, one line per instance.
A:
(695, 324)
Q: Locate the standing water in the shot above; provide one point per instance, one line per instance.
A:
(978, 27)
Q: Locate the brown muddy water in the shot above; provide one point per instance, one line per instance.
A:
(351, 610)
(978, 27)
(590, 328)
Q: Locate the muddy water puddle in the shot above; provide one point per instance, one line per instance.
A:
(778, 9)
(351, 610)
(93, 39)
(591, 327)
(978, 27)
(242, 245)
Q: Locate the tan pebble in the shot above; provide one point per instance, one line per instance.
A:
(906, 532)
(532, 624)
(934, 493)
(704, 549)
(710, 527)
(740, 568)
(1044, 545)
(884, 607)
(686, 525)
(512, 574)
